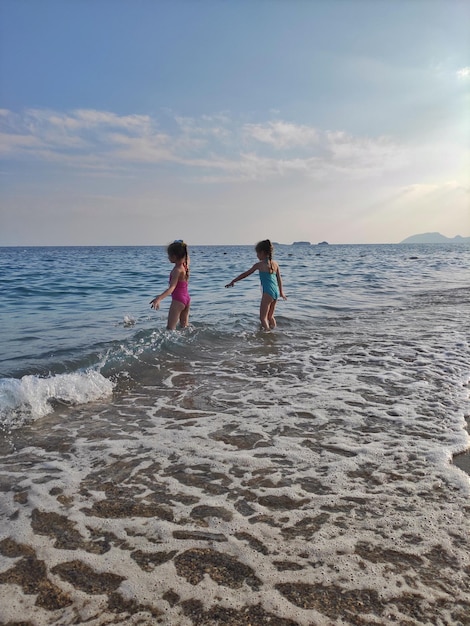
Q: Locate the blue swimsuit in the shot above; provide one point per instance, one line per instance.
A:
(269, 284)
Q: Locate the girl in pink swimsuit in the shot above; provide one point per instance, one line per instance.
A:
(178, 286)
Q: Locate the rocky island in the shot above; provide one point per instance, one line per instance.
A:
(435, 238)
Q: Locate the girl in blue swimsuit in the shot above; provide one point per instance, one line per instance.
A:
(271, 283)
(178, 286)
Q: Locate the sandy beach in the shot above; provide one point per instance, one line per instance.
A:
(141, 541)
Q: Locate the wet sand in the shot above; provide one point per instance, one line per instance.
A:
(137, 541)
(463, 461)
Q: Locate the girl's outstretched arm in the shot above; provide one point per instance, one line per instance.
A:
(279, 283)
(244, 275)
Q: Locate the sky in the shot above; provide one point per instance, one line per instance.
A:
(137, 122)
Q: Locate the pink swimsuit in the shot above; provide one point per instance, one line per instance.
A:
(181, 293)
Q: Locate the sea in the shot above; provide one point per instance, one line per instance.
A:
(225, 475)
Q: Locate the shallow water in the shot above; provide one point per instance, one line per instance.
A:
(223, 475)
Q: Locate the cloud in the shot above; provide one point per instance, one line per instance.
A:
(80, 119)
(282, 134)
(209, 148)
(92, 118)
(423, 190)
(11, 144)
(463, 73)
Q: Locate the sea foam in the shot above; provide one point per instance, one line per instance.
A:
(32, 397)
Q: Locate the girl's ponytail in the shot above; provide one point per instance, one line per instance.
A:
(186, 263)
(267, 247)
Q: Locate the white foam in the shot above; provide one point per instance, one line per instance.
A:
(31, 397)
(129, 320)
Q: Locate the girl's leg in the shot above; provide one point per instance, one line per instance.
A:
(176, 308)
(184, 317)
(266, 302)
(271, 318)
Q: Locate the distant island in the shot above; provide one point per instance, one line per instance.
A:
(435, 238)
(307, 243)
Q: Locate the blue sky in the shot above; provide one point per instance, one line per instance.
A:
(229, 121)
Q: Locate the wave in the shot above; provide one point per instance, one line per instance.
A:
(32, 397)
(87, 375)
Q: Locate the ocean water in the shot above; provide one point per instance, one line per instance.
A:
(225, 475)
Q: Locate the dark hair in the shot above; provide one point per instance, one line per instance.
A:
(267, 247)
(179, 250)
